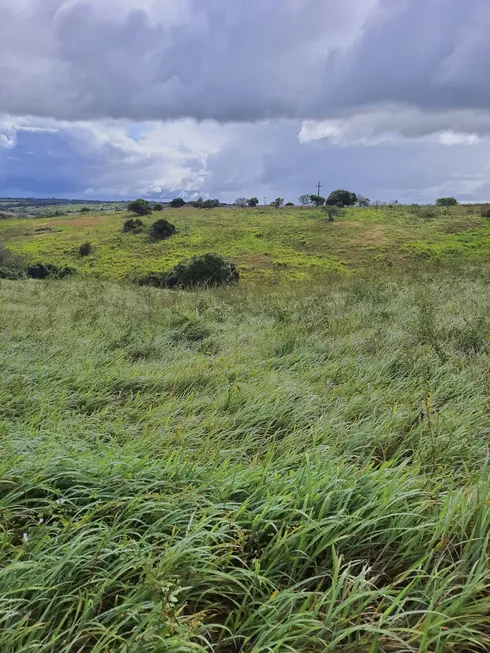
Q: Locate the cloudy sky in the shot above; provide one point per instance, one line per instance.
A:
(223, 98)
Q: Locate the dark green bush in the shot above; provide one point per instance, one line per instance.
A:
(140, 207)
(199, 271)
(133, 225)
(485, 212)
(85, 209)
(446, 201)
(161, 229)
(158, 206)
(206, 270)
(341, 197)
(177, 203)
(48, 270)
(85, 249)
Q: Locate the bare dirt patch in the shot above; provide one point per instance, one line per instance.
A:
(85, 221)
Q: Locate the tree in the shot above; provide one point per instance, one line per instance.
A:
(341, 198)
(253, 202)
(446, 201)
(205, 204)
(158, 207)
(289, 204)
(304, 200)
(363, 202)
(140, 207)
(317, 200)
(278, 202)
(177, 203)
(241, 202)
(210, 204)
(333, 211)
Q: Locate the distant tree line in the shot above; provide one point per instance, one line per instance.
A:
(340, 198)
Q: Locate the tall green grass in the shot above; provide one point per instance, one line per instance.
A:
(232, 470)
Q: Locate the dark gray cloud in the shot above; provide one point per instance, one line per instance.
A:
(105, 98)
(244, 60)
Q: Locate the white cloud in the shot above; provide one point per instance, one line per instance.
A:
(390, 123)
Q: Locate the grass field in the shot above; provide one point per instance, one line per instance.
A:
(268, 244)
(300, 467)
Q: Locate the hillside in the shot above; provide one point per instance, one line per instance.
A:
(268, 244)
(296, 465)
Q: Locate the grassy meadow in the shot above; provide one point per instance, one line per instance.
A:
(294, 467)
(269, 245)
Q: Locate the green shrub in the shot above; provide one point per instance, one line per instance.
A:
(158, 207)
(485, 212)
(446, 201)
(133, 225)
(85, 209)
(86, 249)
(206, 270)
(161, 229)
(48, 270)
(177, 203)
(140, 207)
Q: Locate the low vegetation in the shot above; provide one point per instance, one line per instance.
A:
(298, 469)
(269, 245)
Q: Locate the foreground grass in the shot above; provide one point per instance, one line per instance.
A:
(269, 245)
(232, 471)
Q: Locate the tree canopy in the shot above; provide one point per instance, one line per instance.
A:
(446, 201)
(140, 207)
(177, 203)
(341, 197)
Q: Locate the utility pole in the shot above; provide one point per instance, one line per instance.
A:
(265, 200)
(319, 187)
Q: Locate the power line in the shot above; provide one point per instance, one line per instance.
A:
(319, 187)
(265, 200)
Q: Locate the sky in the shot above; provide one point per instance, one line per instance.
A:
(104, 99)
